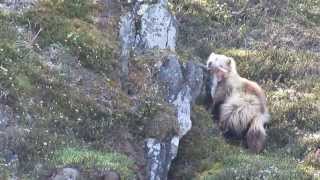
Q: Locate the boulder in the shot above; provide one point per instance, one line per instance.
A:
(67, 174)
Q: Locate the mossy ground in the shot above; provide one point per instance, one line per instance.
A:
(60, 114)
(91, 159)
(289, 74)
(54, 112)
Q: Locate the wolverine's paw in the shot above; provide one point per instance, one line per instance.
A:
(256, 140)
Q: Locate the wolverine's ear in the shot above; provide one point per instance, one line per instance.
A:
(212, 54)
(229, 61)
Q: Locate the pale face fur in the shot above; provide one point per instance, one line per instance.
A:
(217, 66)
(224, 68)
(217, 60)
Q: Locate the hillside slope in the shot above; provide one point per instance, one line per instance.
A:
(84, 91)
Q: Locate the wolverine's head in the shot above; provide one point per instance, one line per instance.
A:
(220, 65)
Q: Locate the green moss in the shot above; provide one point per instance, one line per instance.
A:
(201, 147)
(294, 109)
(23, 82)
(247, 166)
(94, 48)
(7, 30)
(88, 159)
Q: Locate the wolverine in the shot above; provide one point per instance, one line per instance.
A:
(244, 109)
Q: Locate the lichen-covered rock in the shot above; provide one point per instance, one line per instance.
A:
(149, 25)
(159, 157)
(67, 174)
(194, 78)
(167, 87)
(183, 106)
(177, 90)
(127, 36)
(16, 5)
(171, 77)
(127, 33)
(111, 175)
(158, 27)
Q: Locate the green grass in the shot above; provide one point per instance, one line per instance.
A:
(277, 65)
(247, 166)
(88, 159)
(291, 79)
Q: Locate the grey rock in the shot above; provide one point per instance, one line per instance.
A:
(127, 37)
(151, 26)
(171, 77)
(194, 78)
(159, 157)
(183, 106)
(67, 174)
(127, 33)
(180, 91)
(158, 27)
(111, 175)
(16, 5)
(148, 26)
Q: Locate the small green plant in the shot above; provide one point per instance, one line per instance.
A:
(85, 158)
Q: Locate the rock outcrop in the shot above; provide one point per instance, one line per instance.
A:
(151, 27)
(16, 5)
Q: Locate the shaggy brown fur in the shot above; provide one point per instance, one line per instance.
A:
(244, 109)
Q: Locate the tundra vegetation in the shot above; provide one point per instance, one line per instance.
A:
(54, 80)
